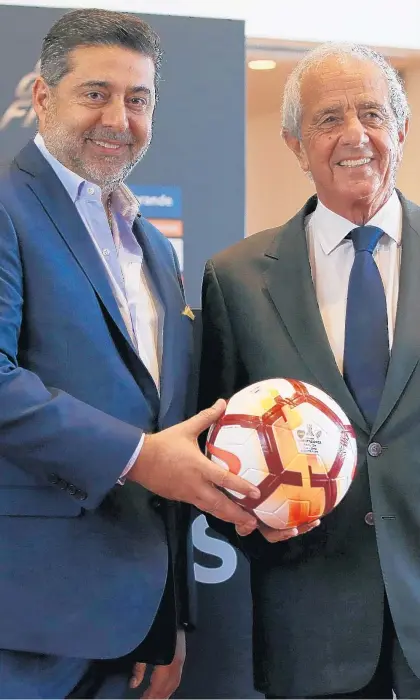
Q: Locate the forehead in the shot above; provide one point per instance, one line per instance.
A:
(112, 64)
(338, 81)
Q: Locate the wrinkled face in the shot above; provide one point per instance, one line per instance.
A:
(98, 120)
(349, 138)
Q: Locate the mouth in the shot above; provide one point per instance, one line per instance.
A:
(353, 163)
(108, 146)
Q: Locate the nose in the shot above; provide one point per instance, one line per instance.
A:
(114, 115)
(354, 133)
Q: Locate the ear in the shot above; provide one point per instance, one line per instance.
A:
(296, 146)
(41, 99)
(402, 135)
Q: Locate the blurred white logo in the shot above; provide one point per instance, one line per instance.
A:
(217, 548)
(21, 107)
(154, 200)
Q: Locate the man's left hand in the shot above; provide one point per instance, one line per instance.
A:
(273, 536)
(164, 679)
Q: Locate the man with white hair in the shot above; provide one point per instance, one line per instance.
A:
(332, 298)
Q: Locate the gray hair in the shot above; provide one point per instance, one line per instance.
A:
(91, 27)
(292, 107)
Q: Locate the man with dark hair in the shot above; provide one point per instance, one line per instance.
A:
(96, 467)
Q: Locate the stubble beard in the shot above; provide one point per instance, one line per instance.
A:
(68, 150)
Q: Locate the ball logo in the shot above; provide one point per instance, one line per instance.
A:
(308, 440)
(21, 108)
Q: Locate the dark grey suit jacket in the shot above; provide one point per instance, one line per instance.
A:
(318, 599)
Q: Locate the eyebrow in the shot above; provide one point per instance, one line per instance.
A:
(105, 84)
(361, 105)
(373, 105)
(327, 110)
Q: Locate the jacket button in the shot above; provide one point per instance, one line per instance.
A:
(80, 495)
(53, 478)
(369, 518)
(375, 449)
(62, 484)
(156, 502)
(71, 489)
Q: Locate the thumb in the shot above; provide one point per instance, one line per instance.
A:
(139, 669)
(203, 420)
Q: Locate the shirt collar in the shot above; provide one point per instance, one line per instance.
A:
(71, 181)
(331, 229)
(123, 200)
(125, 203)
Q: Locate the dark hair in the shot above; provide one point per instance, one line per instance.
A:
(92, 27)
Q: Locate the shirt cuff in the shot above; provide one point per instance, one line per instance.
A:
(133, 458)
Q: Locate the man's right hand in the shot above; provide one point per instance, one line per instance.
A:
(171, 465)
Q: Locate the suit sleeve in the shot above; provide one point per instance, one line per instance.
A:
(43, 430)
(221, 375)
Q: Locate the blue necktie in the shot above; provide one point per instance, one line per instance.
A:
(366, 346)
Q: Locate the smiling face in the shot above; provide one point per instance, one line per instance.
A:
(98, 120)
(349, 141)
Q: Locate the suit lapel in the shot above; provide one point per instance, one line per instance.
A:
(289, 283)
(176, 341)
(406, 347)
(61, 210)
(58, 206)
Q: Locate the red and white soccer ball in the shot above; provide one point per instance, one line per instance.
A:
(292, 441)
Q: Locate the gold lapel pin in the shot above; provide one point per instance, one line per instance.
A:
(187, 312)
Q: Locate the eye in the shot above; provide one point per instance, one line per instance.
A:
(138, 102)
(95, 96)
(331, 119)
(374, 115)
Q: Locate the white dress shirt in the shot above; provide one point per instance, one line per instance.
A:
(331, 258)
(122, 256)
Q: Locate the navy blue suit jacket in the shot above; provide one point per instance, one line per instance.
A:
(83, 562)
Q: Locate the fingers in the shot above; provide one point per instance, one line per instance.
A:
(307, 528)
(220, 505)
(203, 420)
(245, 530)
(138, 672)
(163, 682)
(274, 536)
(223, 478)
(216, 503)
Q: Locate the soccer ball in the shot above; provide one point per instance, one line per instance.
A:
(292, 441)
